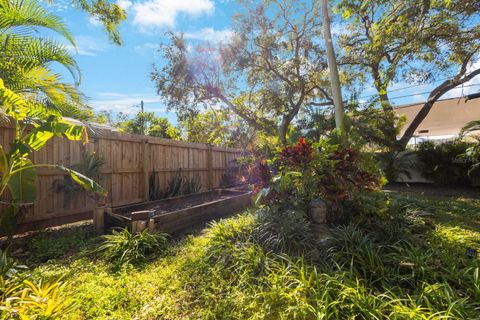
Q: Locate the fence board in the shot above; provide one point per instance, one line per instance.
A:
(129, 160)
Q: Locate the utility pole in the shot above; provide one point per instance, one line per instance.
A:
(333, 68)
(142, 115)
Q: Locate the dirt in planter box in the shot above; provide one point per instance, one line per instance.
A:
(170, 205)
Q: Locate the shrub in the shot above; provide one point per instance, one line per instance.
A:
(390, 218)
(323, 170)
(238, 171)
(90, 166)
(396, 165)
(123, 247)
(299, 154)
(353, 249)
(230, 246)
(258, 174)
(264, 230)
(445, 163)
(179, 185)
(42, 301)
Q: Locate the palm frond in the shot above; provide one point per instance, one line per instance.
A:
(24, 53)
(26, 59)
(470, 127)
(24, 17)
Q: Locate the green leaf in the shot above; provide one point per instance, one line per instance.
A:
(3, 161)
(8, 220)
(284, 180)
(84, 181)
(23, 183)
(262, 194)
(40, 135)
(37, 139)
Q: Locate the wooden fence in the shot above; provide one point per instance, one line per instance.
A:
(129, 160)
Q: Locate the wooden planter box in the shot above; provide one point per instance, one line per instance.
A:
(176, 214)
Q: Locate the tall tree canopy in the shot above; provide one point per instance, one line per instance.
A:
(146, 123)
(421, 41)
(220, 128)
(272, 67)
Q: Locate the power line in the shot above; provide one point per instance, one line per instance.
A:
(417, 94)
(406, 87)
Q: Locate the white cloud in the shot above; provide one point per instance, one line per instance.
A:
(124, 4)
(210, 34)
(163, 13)
(88, 46)
(94, 21)
(58, 6)
(147, 46)
(126, 103)
(472, 86)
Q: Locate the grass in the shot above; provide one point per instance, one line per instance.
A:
(229, 272)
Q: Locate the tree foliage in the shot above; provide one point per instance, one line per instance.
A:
(272, 67)
(220, 128)
(110, 15)
(34, 97)
(419, 41)
(146, 123)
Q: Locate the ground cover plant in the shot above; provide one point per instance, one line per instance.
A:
(408, 261)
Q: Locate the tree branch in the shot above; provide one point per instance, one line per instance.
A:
(436, 94)
(253, 122)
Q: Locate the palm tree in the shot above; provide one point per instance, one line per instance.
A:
(470, 127)
(27, 58)
(33, 95)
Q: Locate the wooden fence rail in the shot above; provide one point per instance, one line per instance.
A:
(129, 161)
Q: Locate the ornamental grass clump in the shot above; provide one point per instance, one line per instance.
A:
(124, 247)
(284, 232)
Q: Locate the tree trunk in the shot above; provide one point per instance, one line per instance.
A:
(333, 68)
(282, 131)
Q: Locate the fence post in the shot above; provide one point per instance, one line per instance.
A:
(146, 165)
(209, 168)
(99, 219)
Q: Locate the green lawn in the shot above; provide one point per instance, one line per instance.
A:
(408, 267)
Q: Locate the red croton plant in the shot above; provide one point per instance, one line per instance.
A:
(322, 170)
(299, 154)
(259, 175)
(347, 177)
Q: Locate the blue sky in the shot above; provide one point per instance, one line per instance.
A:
(117, 77)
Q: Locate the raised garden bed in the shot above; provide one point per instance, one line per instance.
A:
(176, 214)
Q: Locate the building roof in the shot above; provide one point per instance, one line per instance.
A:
(446, 118)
